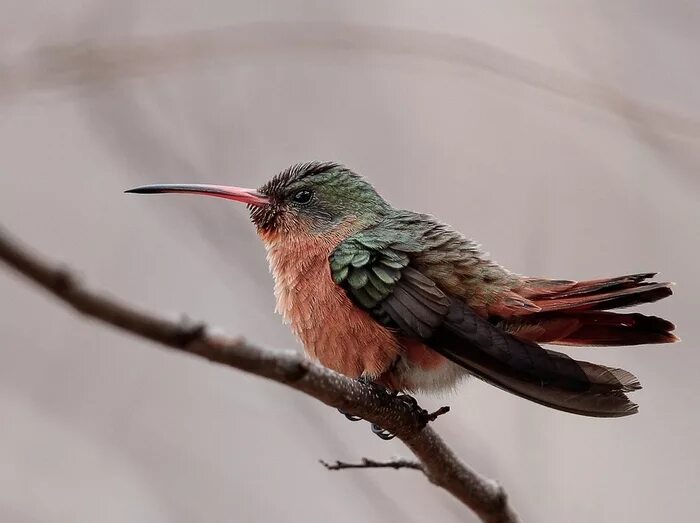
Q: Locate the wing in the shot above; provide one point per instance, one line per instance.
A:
(383, 282)
(380, 274)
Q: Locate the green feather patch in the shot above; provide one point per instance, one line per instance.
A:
(342, 257)
(357, 278)
(391, 263)
(384, 288)
(364, 298)
(386, 274)
(361, 258)
(373, 243)
(340, 274)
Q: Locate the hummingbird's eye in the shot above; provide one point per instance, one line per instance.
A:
(302, 197)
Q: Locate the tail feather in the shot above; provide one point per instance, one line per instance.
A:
(542, 288)
(609, 284)
(644, 294)
(605, 298)
(592, 328)
(614, 329)
(569, 312)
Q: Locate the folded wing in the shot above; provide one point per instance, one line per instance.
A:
(378, 276)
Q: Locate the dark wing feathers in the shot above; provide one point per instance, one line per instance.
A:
(378, 276)
(423, 290)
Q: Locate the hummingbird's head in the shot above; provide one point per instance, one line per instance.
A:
(315, 197)
(307, 198)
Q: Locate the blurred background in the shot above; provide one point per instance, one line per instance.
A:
(564, 136)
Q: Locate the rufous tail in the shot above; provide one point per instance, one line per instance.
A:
(571, 313)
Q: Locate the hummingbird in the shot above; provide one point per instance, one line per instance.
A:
(402, 300)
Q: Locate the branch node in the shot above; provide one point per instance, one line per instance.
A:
(189, 332)
(299, 371)
(63, 281)
(501, 501)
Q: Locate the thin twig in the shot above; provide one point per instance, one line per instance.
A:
(367, 463)
(439, 412)
(410, 424)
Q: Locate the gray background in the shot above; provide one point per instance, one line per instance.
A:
(565, 136)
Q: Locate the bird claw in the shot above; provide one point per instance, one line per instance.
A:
(376, 387)
(376, 429)
(351, 417)
(408, 400)
(382, 433)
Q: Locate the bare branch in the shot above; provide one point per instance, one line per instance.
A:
(367, 463)
(410, 424)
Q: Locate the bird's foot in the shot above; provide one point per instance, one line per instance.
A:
(376, 387)
(376, 429)
(351, 417)
(382, 433)
(365, 381)
(407, 399)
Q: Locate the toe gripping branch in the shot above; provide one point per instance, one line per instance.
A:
(423, 415)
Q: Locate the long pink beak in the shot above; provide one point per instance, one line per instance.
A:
(248, 196)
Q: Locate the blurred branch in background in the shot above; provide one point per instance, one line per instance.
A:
(435, 459)
(93, 62)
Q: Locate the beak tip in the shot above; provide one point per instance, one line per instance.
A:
(142, 190)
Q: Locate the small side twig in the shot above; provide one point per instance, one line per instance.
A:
(439, 412)
(366, 463)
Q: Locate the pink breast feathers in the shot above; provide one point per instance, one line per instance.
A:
(332, 329)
